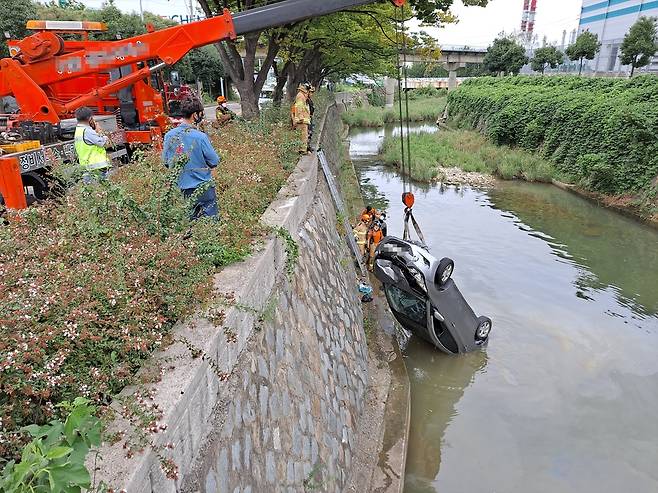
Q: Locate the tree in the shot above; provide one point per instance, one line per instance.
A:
(639, 44)
(249, 82)
(548, 55)
(587, 45)
(505, 55)
(13, 16)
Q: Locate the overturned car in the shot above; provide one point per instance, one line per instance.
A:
(425, 300)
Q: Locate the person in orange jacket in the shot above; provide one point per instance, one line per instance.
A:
(369, 214)
(301, 116)
(375, 236)
(223, 113)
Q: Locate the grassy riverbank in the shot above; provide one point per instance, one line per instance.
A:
(91, 285)
(469, 151)
(424, 109)
(599, 132)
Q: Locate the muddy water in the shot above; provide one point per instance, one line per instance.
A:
(565, 397)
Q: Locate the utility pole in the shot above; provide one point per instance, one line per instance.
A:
(141, 11)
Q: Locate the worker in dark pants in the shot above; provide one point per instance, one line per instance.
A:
(190, 149)
(311, 110)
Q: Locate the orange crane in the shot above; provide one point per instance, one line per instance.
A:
(44, 65)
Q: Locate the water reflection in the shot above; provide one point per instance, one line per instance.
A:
(615, 252)
(443, 379)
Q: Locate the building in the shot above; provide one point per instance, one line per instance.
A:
(611, 20)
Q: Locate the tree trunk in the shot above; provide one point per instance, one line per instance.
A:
(248, 83)
(281, 75)
(633, 65)
(580, 70)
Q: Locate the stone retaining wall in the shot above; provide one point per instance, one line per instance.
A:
(273, 402)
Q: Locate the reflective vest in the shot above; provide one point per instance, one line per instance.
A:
(300, 111)
(90, 156)
(360, 235)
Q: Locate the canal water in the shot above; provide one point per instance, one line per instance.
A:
(565, 397)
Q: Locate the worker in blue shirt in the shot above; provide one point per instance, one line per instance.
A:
(190, 148)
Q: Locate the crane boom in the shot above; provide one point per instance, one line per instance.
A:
(41, 62)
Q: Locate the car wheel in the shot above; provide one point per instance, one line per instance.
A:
(444, 271)
(483, 329)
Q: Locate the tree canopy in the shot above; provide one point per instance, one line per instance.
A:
(505, 55)
(546, 56)
(13, 16)
(358, 40)
(586, 46)
(639, 44)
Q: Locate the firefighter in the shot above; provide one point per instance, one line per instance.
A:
(223, 113)
(375, 236)
(369, 214)
(188, 147)
(360, 235)
(311, 111)
(90, 147)
(301, 116)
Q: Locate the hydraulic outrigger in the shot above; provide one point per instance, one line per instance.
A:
(43, 62)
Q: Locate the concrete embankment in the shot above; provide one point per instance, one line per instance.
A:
(267, 390)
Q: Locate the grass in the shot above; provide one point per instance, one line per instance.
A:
(425, 109)
(469, 151)
(92, 284)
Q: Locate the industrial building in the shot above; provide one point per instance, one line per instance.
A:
(611, 20)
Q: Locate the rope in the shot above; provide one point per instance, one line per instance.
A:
(398, 43)
(405, 161)
(406, 93)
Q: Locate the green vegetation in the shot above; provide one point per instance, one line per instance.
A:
(639, 44)
(54, 461)
(547, 56)
(427, 109)
(469, 151)
(92, 284)
(292, 250)
(600, 133)
(506, 56)
(586, 47)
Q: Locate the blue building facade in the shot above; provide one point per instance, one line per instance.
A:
(611, 20)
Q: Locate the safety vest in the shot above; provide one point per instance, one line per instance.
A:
(360, 235)
(90, 156)
(300, 111)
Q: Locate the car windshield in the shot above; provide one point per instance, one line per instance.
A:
(407, 304)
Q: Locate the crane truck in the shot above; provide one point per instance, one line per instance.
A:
(49, 75)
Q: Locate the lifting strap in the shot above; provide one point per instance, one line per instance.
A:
(408, 214)
(405, 161)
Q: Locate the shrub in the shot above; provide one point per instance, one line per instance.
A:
(92, 284)
(567, 118)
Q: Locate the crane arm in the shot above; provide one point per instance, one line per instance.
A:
(26, 81)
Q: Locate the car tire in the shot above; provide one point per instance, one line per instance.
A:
(444, 272)
(483, 329)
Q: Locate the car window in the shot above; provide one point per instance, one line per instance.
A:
(407, 304)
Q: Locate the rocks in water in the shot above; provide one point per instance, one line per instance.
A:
(457, 176)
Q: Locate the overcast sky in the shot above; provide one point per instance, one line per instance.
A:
(477, 26)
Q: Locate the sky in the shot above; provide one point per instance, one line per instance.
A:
(477, 26)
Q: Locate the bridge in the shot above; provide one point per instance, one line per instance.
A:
(452, 57)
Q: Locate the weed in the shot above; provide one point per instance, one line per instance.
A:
(469, 151)
(292, 250)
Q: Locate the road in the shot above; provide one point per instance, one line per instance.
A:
(210, 110)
